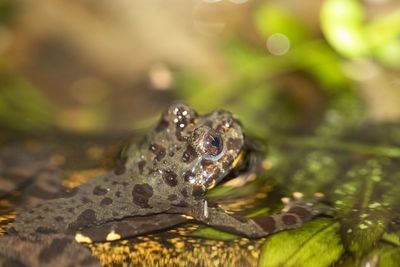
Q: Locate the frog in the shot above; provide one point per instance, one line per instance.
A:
(161, 181)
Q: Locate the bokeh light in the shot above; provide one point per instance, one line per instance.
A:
(278, 44)
(160, 77)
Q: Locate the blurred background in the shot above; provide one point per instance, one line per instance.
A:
(318, 81)
(99, 66)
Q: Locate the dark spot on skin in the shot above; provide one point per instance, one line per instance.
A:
(86, 200)
(125, 183)
(114, 183)
(106, 201)
(120, 166)
(267, 223)
(158, 150)
(69, 192)
(239, 218)
(172, 197)
(141, 194)
(45, 230)
(55, 249)
(39, 217)
(98, 191)
(87, 217)
(189, 155)
(59, 219)
(70, 210)
(198, 191)
(141, 165)
(289, 219)
(169, 178)
(301, 212)
(182, 204)
(162, 125)
(184, 192)
(234, 143)
(118, 194)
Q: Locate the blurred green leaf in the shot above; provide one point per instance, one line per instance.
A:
(7, 9)
(358, 177)
(341, 22)
(383, 36)
(212, 233)
(393, 238)
(273, 18)
(22, 107)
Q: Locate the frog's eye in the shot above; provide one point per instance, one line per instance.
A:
(213, 145)
(210, 144)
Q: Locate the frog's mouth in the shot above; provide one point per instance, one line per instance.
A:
(247, 163)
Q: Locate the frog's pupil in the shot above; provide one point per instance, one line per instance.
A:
(215, 142)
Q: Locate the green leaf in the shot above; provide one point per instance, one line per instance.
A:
(393, 238)
(317, 243)
(212, 233)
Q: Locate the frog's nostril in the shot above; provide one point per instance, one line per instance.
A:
(228, 122)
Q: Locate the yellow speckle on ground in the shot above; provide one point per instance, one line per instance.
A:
(178, 250)
(78, 177)
(298, 195)
(112, 236)
(266, 164)
(82, 239)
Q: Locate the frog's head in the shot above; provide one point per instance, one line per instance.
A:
(202, 149)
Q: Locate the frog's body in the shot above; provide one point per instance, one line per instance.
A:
(170, 173)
